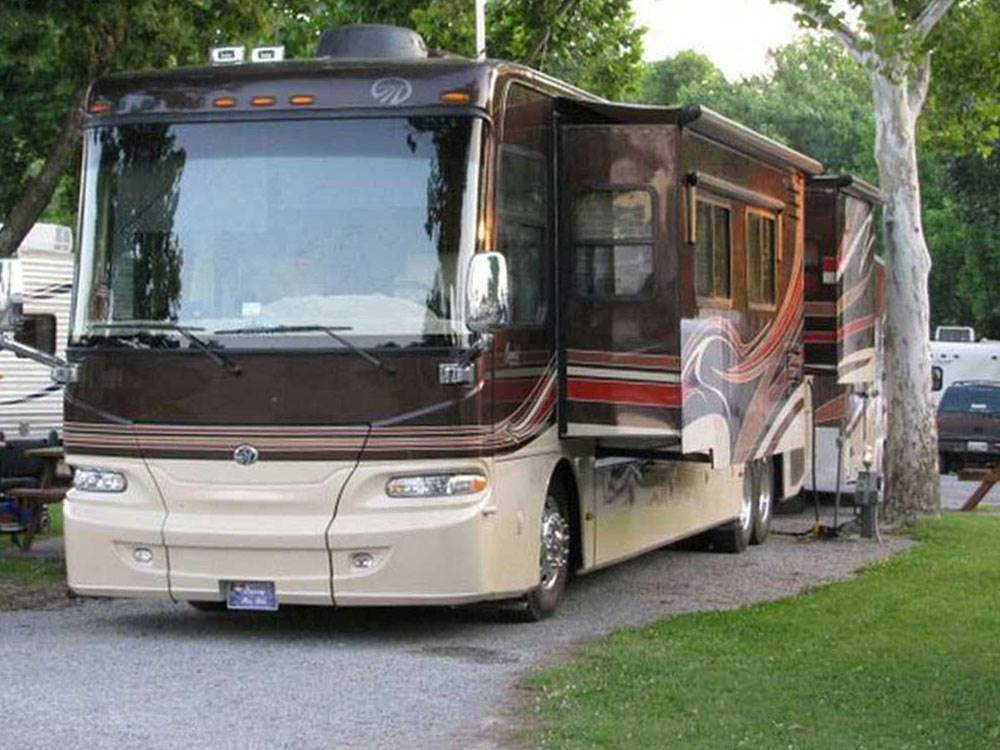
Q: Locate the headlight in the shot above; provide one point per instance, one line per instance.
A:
(436, 485)
(99, 480)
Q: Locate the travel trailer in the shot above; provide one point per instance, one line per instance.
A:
(31, 405)
(845, 315)
(388, 327)
(956, 361)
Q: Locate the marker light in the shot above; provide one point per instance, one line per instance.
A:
(262, 101)
(225, 102)
(99, 480)
(99, 107)
(456, 97)
(301, 100)
(436, 485)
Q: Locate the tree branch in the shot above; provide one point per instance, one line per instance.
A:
(826, 20)
(38, 189)
(930, 16)
(916, 91)
(542, 41)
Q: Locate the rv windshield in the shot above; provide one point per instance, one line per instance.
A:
(353, 223)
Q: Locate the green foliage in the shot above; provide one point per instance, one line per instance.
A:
(594, 44)
(686, 78)
(963, 111)
(815, 99)
(962, 224)
(905, 656)
(51, 49)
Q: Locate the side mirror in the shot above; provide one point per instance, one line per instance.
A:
(11, 291)
(487, 294)
(937, 378)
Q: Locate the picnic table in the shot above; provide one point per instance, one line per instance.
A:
(987, 478)
(47, 492)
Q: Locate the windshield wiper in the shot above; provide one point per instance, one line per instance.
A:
(159, 325)
(331, 331)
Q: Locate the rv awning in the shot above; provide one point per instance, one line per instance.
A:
(700, 119)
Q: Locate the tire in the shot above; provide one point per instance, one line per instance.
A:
(555, 544)
(734, 537)
(763, 508)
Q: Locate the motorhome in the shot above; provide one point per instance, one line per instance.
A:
(390, 327)
(31, 405)
(845, 316)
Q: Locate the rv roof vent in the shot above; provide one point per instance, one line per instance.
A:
(372, 41)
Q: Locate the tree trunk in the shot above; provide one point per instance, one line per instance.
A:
(911, 460)
(39, 189)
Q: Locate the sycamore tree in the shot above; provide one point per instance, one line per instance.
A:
(893, 41)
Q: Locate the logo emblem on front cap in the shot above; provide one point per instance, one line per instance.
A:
(391, 91)
(245, 455)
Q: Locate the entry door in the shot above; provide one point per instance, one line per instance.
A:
(619, 341)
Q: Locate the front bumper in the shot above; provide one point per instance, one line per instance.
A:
(427, 551)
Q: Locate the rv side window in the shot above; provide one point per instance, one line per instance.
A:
(38, 332)
(522, 201)
(762, 258)
(613, 238)
(713, 250)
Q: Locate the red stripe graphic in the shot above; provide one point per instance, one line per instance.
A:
(624, 392)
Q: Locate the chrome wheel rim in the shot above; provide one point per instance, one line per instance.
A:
(746, 506)
(555, 543)
(764, 496)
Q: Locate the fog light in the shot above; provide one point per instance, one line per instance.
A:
(362, 560)
(142, 555)
(99, 480)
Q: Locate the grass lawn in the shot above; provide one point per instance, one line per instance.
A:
(905, 656)
(31, 582)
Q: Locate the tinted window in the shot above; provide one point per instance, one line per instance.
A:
(613, 238)
(973, 399)
(38, 332)
(523, 203)
(761, 258)
(712, 251)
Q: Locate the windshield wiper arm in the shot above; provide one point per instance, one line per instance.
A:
(331, 331)
(159, 325)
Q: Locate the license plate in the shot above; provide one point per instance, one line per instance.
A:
(978, 446)
(257, 595)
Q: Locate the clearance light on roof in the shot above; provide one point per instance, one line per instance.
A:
(267, 54)
(301, 100)
(227, 55)
(224, 102)
(263, 101)
(99, 107)
(456, 97)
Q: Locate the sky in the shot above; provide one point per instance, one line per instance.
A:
(735, 34)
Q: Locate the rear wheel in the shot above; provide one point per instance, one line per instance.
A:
(553, 562)
(734, 537)
(764, 507)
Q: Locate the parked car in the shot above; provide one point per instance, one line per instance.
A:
(969, 425)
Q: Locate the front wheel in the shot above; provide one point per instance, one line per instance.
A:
(553, 563)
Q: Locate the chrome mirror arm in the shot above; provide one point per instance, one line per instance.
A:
(62, 371)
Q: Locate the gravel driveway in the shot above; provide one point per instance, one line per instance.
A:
(130, 674)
